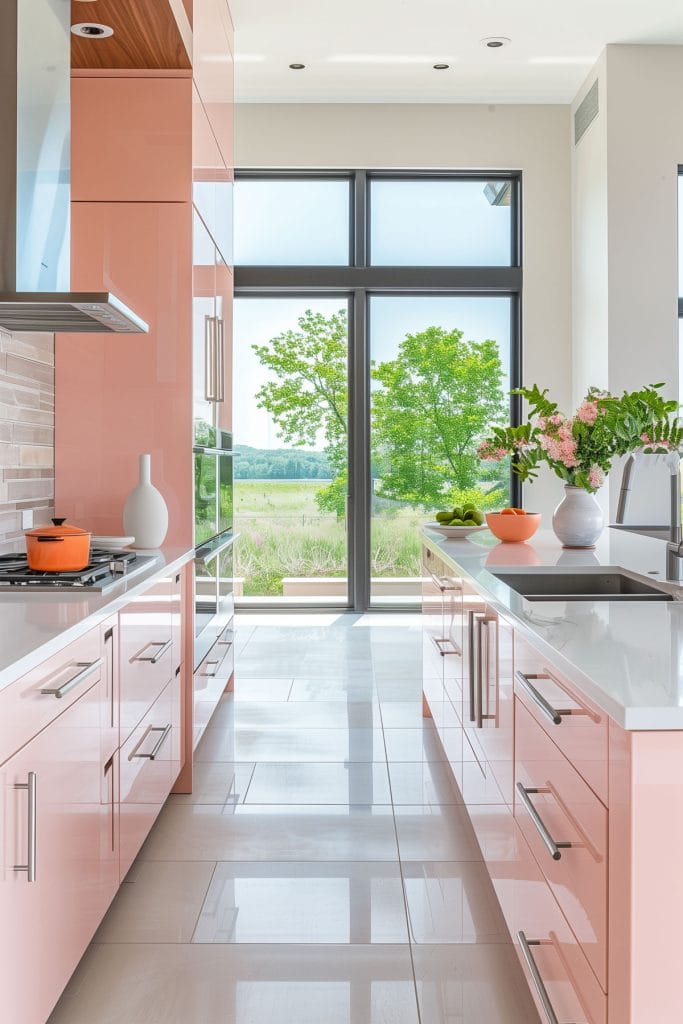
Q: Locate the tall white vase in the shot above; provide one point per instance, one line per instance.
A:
(578, 520)
(145, 515)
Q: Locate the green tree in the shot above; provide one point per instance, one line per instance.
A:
(309, 393)
(437, 399)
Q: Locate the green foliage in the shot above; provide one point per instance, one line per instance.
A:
(333, 497)
(485, 500)
(436, 400)
(581, 450)
(280, 464)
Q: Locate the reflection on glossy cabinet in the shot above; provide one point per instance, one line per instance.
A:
(149, 765)
(140, 384)
(143, 139)
(147, 658)
(59, 857)
(213, 69)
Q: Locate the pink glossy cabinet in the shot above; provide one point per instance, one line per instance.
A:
(59, 856)
(213, 70)
(147, 659)
(144, 127)
(149, 765)
(565, 826)
(141, 383)
(487, 704)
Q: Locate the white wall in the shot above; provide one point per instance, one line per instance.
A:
(625, 237)
(533, 139)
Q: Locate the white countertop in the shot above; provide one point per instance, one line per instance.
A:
(36, 625)
(626, 656)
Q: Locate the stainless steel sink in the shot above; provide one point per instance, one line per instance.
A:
(590, 585)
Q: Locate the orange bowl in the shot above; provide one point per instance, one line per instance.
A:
(513, 528)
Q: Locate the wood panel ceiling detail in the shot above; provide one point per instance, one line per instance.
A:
(146, 35)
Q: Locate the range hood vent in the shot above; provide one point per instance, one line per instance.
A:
(35, 179)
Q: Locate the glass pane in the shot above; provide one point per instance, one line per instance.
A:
(440, 377)
(290, 358)
(292, 223)
(205, 506)
(440, 223)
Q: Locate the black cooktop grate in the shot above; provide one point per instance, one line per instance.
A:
(104, 566)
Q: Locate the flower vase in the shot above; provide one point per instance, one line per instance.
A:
(145, 515)
(578, 520)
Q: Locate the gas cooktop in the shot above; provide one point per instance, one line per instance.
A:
(106, 570)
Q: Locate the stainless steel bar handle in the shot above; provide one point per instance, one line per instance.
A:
(31, 787)
(553, 847)
(482, 670)
(86, 669)
(472, 661)
(554, 714)
(163, 646)
(525, 946)
(446, 584)
(220, 360)
(209, 360)
(151, 756)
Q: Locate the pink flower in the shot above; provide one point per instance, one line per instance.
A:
(587, 412)
(489, 454)
(596, 477)
(557, 419)
(541, 423)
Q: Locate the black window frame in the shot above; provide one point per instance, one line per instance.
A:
(359, 280)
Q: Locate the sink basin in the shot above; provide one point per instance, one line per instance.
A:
(604, 585)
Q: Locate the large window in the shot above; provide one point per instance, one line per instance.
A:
(376, 340)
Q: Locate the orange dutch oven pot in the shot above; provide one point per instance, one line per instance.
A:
(58, 548)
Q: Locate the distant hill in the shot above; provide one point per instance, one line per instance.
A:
(280, 464)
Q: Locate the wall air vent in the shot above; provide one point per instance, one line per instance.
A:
(586, 112)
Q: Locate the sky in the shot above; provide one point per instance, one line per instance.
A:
(428, 223)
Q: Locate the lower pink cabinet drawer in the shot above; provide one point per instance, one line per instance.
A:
(45, 692)
(578, 727)
(556, 969)
(147, 659)
(566, 827)
(149, 764)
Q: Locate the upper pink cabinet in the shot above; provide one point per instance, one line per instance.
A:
(213, 69)
(134, 139)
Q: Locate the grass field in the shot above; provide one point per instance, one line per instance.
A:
(282, 533)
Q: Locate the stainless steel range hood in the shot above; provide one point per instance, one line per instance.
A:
(35, 179)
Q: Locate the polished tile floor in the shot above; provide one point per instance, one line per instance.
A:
(323, 871)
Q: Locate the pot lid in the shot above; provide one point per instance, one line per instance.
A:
(57, 530)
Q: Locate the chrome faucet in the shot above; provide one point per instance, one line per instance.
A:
(674, 549)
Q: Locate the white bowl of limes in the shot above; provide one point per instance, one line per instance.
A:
(458, 522)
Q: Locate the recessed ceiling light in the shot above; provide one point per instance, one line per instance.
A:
(91, 30)
(441, 67)
(297, 67)
(495, 42)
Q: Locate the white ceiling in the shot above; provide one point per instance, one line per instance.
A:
(382, 50)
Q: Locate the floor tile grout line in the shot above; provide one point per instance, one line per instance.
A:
(251, 778)
(199, 914)
(403, 888)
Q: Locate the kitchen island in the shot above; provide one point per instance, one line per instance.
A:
(562, 721)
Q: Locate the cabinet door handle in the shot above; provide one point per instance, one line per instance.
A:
(472, 661)
(152, 755)
(163, 646)
(31, 787)
(444, 583)
(86, 669)
(209, 359)
(553, 847)
(554, 714)
(220, 360)
(525, 946)
(482, 663)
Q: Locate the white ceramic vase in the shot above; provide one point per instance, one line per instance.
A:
(578, 520)
(145, 515)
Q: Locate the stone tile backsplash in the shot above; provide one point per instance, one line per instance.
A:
(27, 426)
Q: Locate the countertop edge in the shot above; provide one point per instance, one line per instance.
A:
(112, 604)
(631, 719)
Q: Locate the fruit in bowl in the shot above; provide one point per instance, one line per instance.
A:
(459, 521)
(513, 524)
(461, 515)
